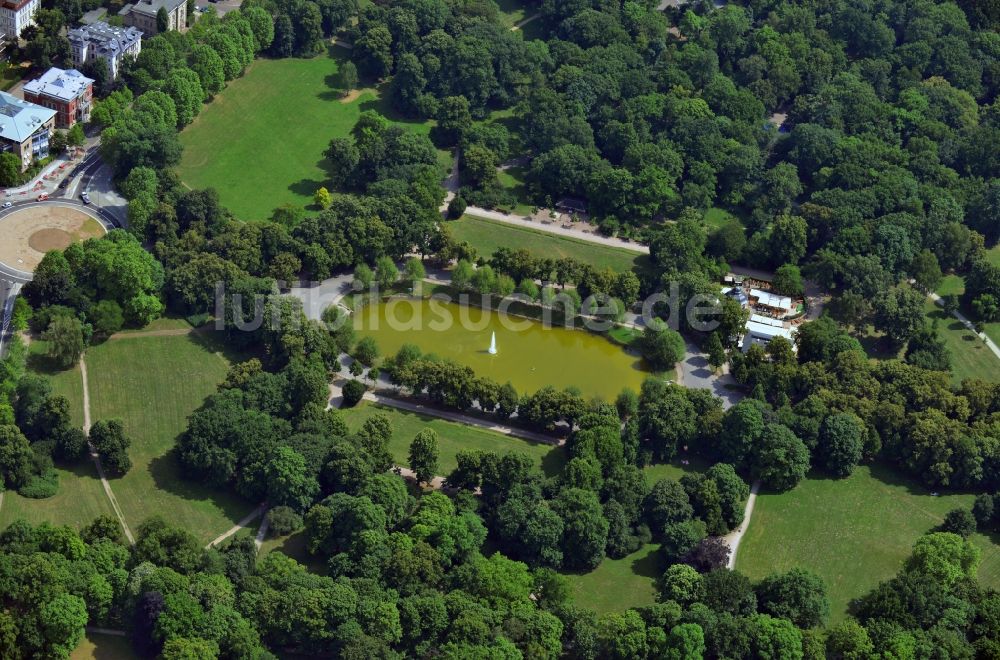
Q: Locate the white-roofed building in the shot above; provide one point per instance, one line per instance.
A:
(69, 93)
(25, 128)
(15, 15)
(762, 329)
(782, 304)
(100, 40)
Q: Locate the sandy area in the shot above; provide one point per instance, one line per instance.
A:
(25, 236)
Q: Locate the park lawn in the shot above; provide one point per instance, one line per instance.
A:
(674, 469)
(103, 647)
(618, 584)
(951, 284)
(488, 235)
(512, 180)
(164, 323)
(78, 501)
(452, 438)
(65, 382)
(260, 142)
(970, 357)
(854, 533)
(80, 497)
(153, 384)
(512, 11)
(715, 218)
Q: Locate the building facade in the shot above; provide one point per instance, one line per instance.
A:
(69, 93)
(15, 15)
(25, 128)
(100, 40)
(142, 14)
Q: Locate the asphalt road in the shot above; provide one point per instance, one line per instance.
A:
(89, 173)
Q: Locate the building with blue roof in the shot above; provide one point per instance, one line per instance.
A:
(25, 128)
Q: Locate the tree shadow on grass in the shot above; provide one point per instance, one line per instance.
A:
(45, 365)
(553, 461)
(892, 476)
(82, 469)
(214, 341)
(306, 187)
(168, 476)
(648, 565)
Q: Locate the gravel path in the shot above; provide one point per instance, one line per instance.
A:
(242, 524)
(97, 459)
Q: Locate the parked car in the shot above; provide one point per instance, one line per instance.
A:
(85, 197)
(43, 197)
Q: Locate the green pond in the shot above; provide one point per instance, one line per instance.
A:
(529, 354)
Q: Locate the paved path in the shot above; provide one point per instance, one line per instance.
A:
(258, 540)
(437, 483)
(990, 344)
(421, 409)
(97, 459)
(524, 21)
(317, 296)
(734, 537)
(696, 373)
(452, 184)
(242, 524)
(8, 293)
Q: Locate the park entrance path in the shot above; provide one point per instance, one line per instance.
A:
(734, 537)
(242, 524)
(97, 459)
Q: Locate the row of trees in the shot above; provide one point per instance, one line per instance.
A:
(843, 407)
(386, 595)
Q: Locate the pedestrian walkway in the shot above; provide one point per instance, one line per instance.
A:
(97, 459)
(990, 344)
(47, 180)
(734, 537)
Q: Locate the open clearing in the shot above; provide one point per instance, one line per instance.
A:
(153, 384)
(487, 235)
(103, 647)
(618, 584)
(970, 357)
(285, 113)
(452, 438)
(853, 532)
(29, 233)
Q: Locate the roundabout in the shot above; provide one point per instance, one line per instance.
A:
(31, 229)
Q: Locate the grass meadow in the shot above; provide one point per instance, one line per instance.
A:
(153, 384)
(260, 142)
(488, 235)
(452, 438)
(854, 533)
(618, 584)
